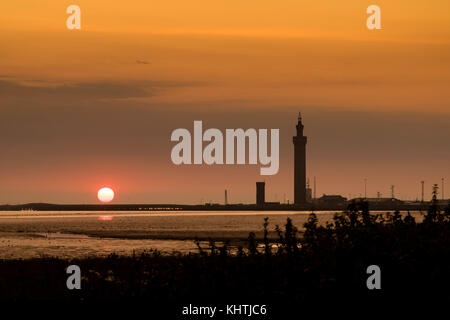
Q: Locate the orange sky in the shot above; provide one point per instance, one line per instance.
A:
(178, 61)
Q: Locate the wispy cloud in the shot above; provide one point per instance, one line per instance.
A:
(88, 90)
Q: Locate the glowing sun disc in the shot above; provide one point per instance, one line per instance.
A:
(105, 194)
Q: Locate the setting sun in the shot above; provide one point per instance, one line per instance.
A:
(105, 194)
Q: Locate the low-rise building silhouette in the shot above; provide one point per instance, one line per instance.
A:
(332, 200)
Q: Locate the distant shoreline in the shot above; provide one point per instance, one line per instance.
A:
(395, 205)
(219, 236)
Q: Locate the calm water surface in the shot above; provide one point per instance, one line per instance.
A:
(27, 234)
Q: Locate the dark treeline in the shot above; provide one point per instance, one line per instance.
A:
(323, 264)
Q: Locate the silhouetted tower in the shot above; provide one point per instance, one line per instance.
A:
(226, 197)
(392, 192)
(365, 188)
(260, 193)
(423, 183)
(314, 188)
(299, 164)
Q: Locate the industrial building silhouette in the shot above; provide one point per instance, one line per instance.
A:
(260, 194)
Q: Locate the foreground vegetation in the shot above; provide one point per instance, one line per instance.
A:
(324, 263)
